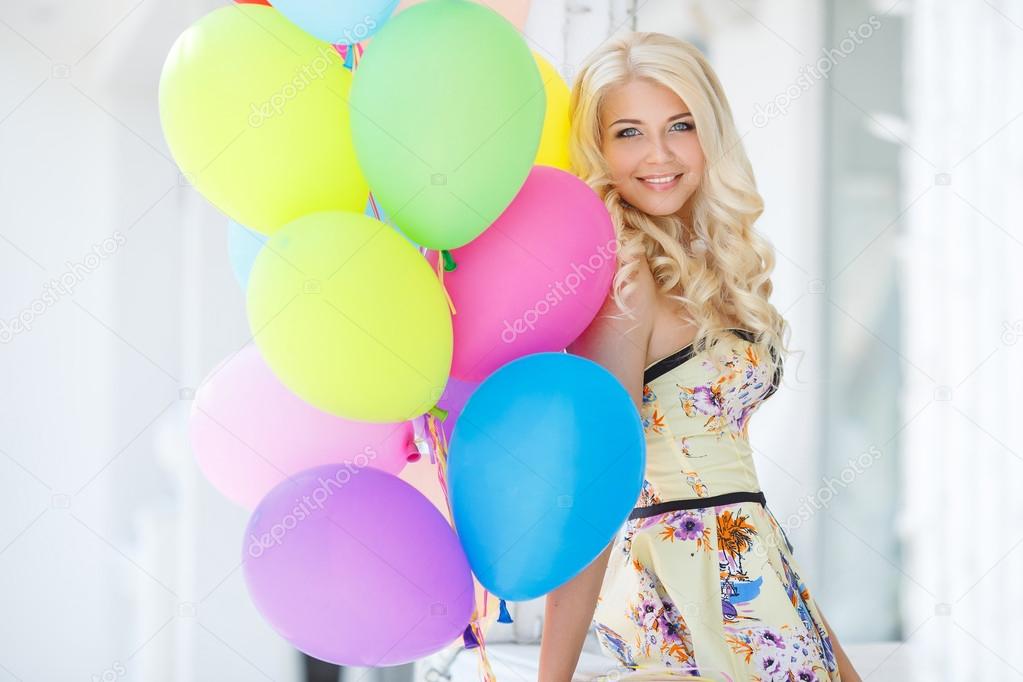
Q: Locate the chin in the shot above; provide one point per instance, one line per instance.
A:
(657, 208)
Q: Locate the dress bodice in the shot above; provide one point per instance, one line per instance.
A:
(695, 411)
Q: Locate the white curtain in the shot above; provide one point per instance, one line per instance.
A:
(963, 329)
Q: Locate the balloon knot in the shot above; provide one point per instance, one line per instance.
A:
(504, 616)
(438, 412)
(469, 638)
(449, 262)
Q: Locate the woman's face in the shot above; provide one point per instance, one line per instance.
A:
(651, 147)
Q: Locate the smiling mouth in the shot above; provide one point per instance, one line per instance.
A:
(661, 181)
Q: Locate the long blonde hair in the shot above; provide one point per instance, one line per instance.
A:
(722, 262)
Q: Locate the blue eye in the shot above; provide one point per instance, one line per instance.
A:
(625, 131)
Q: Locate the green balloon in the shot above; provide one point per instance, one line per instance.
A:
(447, 111)
(255, 113)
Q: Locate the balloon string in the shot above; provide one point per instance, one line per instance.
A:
(373, 205)
(440, 277)
(440, 444)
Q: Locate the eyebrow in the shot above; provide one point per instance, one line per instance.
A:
(632, 120)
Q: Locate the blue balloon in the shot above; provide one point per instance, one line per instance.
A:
(243, 245)
(546, 462)
(341, 22)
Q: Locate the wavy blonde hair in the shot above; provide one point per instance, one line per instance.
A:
(724, 264)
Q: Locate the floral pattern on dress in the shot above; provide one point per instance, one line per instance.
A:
(696, 483)
(661, 628)
(731, 398)
(735, 539)
(685, 525)
(799, 595)
(647, 496)
(614, 643)
(731, 536)
(685, 449)
(654, 422)
(777, 655)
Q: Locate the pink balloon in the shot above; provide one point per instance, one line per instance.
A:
(535, 279)
(515, 11)
(249, 432)
(357, 568)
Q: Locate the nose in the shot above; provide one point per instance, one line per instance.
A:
(660, 151)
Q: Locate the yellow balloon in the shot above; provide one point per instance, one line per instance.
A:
(255, 113)
(554, 141)
(351, 317)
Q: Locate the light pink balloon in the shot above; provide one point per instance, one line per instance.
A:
(249, 432)
(515, 11)
(535, 279)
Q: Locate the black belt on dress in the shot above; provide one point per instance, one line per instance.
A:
(698, 503)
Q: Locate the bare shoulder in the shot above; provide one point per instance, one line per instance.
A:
(617, 339)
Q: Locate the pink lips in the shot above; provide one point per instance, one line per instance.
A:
(662, 186)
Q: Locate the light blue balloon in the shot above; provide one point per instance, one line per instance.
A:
(243, 245)
(545, 465)
(341, 22)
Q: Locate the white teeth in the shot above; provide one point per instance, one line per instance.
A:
(660, 181)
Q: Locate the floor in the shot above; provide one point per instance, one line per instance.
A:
(515, 662)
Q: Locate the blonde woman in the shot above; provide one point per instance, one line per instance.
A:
(700, 583)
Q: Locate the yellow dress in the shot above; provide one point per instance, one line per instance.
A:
(701, 580)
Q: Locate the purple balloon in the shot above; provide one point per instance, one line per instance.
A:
(456, 394)
(356, 567)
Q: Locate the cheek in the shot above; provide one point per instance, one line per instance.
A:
(689, 150)
(623, 159)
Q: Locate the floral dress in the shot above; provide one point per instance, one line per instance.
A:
(701, 582)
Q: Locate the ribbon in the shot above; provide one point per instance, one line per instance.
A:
(440, 277)
(473, 636)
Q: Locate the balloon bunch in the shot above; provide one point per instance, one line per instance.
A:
(415, 258)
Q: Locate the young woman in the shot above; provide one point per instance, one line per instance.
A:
(700, 583)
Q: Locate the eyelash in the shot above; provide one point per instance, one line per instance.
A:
(621, 133)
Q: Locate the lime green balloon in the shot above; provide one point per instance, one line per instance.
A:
(255, 113)
(447, 113)
(351, 317)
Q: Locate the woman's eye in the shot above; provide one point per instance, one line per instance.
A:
(679, 126)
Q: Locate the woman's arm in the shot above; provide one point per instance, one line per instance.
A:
(619, 345)
(567, 615)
